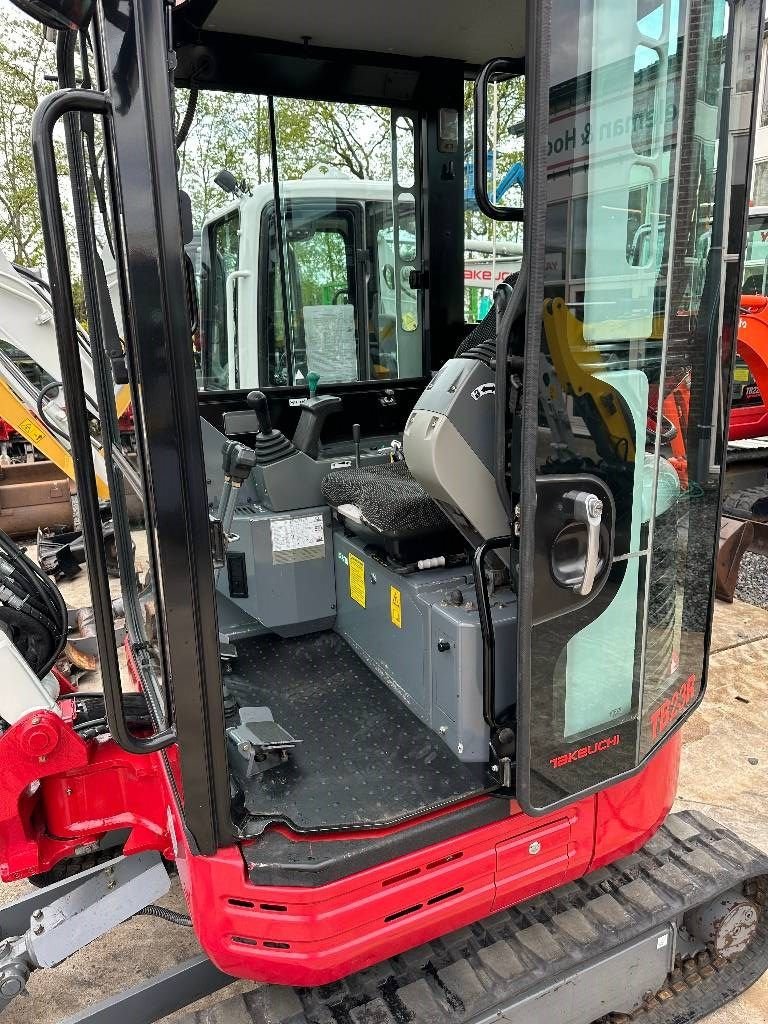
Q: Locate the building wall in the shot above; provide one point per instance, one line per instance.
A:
(760, 176)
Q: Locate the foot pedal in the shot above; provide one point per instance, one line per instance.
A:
(258, 743)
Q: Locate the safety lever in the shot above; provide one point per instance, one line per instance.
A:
(238, 461)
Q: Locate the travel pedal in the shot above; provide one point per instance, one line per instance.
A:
(258, 743)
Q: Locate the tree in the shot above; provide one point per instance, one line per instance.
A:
(232, 131)
(25, 59)
(229, 131)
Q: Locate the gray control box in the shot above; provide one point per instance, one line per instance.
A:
(411, 632)
(278, 573)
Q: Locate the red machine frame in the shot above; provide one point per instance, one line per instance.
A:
(62, 795)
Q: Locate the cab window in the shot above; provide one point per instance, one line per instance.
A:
(218, 346)
(320, 296)
(756, 258)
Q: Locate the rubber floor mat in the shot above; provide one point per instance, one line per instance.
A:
(364, 760)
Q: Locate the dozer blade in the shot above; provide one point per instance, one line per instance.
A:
(743, 527)
(736, 537)
(663, 936)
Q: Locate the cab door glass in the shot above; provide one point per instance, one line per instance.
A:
(395, 340)
(321, 288)
(630, 382)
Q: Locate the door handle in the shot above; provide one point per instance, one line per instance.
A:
(588, 509)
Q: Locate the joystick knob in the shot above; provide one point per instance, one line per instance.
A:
(257, 401)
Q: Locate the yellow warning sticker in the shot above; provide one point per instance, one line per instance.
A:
(30, 429)
(357, 580)
(395, 607)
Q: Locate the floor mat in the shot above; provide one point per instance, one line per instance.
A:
(364, 759)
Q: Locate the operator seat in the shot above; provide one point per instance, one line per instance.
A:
(443, 496)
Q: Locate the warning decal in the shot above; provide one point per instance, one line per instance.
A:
(357, 580)
(395, 607)
(30, 429)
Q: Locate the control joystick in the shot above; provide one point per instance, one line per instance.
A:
(270, 445)
(257, 401)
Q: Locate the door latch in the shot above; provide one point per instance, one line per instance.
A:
(588, 509)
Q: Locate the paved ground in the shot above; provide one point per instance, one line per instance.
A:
(724, 773)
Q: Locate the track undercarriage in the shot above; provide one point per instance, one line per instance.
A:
(663, 936)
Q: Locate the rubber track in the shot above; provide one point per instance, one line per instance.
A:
(470, 976)
(749, 504)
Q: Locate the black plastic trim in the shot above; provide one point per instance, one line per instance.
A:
(277, 859)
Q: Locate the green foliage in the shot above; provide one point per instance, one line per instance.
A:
(232, 131)
(25, 60)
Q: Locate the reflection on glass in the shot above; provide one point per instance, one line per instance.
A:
(493, 249)
(405, 152)
(628, 370)
(756, 258)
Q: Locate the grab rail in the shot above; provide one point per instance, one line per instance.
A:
(49, 112)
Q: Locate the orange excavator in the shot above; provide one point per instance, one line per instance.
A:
(744, 523)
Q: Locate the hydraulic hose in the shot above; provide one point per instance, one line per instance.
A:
(166, 915)
(189, 117)
(34, 609)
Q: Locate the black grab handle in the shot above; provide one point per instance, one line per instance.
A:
(498, 66)
(49, 112)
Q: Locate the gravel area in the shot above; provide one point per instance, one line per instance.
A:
(753, 580)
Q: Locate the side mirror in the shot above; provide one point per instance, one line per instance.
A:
(62, 15)
(500, 164)
(227, 182)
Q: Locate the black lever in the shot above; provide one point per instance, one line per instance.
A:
(314, 413)
(237, 463)
(257, 400)
(270, 445)
(356, 439)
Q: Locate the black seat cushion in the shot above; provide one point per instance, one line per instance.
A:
(391, 500)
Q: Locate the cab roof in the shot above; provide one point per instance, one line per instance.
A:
(450, 29)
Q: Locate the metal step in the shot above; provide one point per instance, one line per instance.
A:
(603, 944)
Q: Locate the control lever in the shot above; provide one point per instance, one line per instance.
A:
(270, 445)
(588, 509)
(237, 464)
(257, 401)
(315, 410)
(356, 439)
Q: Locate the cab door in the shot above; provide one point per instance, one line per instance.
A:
(617, 536)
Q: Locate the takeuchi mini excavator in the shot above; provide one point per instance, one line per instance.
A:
(407, 669)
